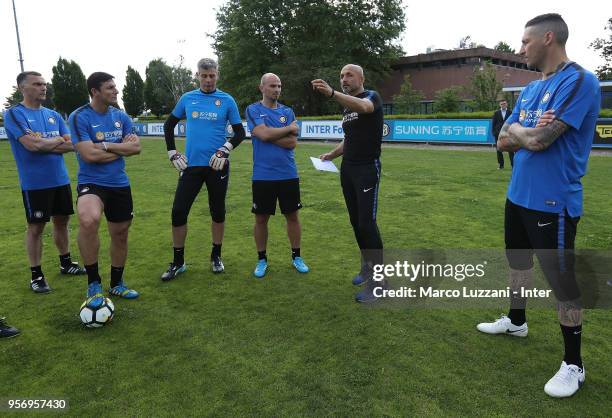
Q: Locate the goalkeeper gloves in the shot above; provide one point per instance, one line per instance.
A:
(220, 157)
(177, 159)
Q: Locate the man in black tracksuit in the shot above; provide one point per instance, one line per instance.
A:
(362, 124)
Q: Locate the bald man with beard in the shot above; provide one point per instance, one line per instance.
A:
(362, 124)
(274, 135)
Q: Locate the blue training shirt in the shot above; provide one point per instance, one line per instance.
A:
(270, 161)
(88, 125)
(207, 115)
(549, 180)
(37, 170)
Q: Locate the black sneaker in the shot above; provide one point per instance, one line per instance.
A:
(217, 264)
(40, 285)
(7, 331)
(73, 269)
(173, 271)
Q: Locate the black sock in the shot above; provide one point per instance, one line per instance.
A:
(216, 250)
(116, 275)
(92, 273)
(65, 260)
(36, 272)
(571, 339)
(262, 255)
(179, 256)
(295, 252)
(517, 316)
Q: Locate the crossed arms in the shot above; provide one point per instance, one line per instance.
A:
(548, 129)
(285, 137)
(105, 152)
(56, 144)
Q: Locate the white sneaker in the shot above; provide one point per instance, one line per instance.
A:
(503, 326)
(566, 381)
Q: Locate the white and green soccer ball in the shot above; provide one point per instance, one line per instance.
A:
(96, 318)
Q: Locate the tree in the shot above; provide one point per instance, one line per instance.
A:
(165, 85)
(604, 47)
(15, 98)
(504, 47)
(157, 92)
(69, 85)
(301, 40)
(485, 88)
(466, 43)
(448, 100)
(133, 93)
(408, 98)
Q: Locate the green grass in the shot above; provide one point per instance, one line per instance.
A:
(293, 345)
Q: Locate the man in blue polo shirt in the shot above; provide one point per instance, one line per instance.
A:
(274, 136)
(551, 130)
(102, 135)
(207, 111)
(38, 138)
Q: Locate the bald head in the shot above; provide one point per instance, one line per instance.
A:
(351, 79)
(270, 87)
(353, 68)
(269, 78)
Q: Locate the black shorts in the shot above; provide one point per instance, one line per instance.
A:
(41, 204)
(189, 185)
(551, 237)
(117, 201)
(267, 192)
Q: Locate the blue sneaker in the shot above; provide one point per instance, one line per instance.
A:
(299, 265)
(122, 290)
(260, 268)
(95, 298)
(358, 280)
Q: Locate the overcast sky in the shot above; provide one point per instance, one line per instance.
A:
(110, 35)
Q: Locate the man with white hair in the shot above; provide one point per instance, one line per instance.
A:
(207, 111)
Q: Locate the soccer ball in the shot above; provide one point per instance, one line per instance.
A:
(95, 318)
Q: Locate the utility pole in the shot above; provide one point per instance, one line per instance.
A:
(18, 41)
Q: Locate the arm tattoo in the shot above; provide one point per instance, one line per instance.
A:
(547, 135)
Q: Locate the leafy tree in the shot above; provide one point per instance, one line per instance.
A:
(604, 48)
(157, 90)
(133, 93)
(504, 47)
(14, 98)
(69, 85)
(484, 88)
(448, 100)
(408, 99)
(302, 40)
(165, 84)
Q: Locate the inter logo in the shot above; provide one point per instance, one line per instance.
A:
(195, 114)
(217, 102)
(118, 125)
(51, 120)
(546, 97)
(283, 119)
(100, 135)
(386, 129)
(522, 115)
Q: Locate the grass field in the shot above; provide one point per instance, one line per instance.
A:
(293, 345)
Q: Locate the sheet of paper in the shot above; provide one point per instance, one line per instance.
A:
(323, 165)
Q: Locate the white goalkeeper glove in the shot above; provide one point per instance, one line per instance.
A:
(220, 157)
(177, 159)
